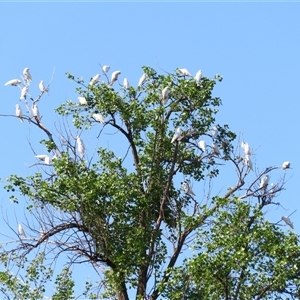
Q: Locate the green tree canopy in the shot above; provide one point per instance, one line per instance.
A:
(148, 221)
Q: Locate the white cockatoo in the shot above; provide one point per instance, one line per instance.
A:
(142, 79)
(82, 100)
(24, 92)
(186, 186)
(248, 162)
(126, 84)
(13, 82)
(80, 146)
(246, 148)
(98, 118)
(264, 181)
(95, 79)
(21, 231)
(42, 87)
(114, 77)
(45, 158)
(202, 145)
(36, 113)
(215, 149)
(198, 76)
(165, 95)
(287, 221)
(19, 112)
(286, 165)
(185, 72)
(105, 69)
(214, 132)
(27, 75)
(177, 135)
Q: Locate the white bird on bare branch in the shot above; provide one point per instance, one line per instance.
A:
(19, 112)
(185, 72)
(202, 145)
(246, 148)
(27, 75)
(13, 82)
(21, 231)
(114, 77)
(248, 162)
(186, 186)
(177, 135)
(24, 92)
(82, 100)
(36, 113)
(98, 118)
(165, 95)
(286, 165)
(198, 76)
(105, 68)
(142, 79)
(215, 149)
(45, 158)
(264, 181)
(80, 146)
(287, 221)
(42, 88)
(126, 84)
(95, 79)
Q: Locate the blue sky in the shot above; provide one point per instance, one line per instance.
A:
(254, 46)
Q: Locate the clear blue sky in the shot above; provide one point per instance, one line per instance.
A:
(254, 46)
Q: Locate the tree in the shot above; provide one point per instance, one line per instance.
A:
(150, 221)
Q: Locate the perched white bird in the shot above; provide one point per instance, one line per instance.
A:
(42, 87)
(24, 92)
(21, 231)
(215, 149)
(105, 69)
(165, 95)
(286, 165)
(126, 84)
(264, 181)
(13, 82)
(202, 145)
(248, 162)
(95, 79)
(287, 221)
(44, 158)
(246, 148)
(36, 113)
(27, 75)
(198, 76)
(185, 72)
(142, 79)
(114, 77)
(214, 132)
(82, 100)
(80, 146)
(177, 135)
(187, 188)
(19, 112)
(98, 118)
